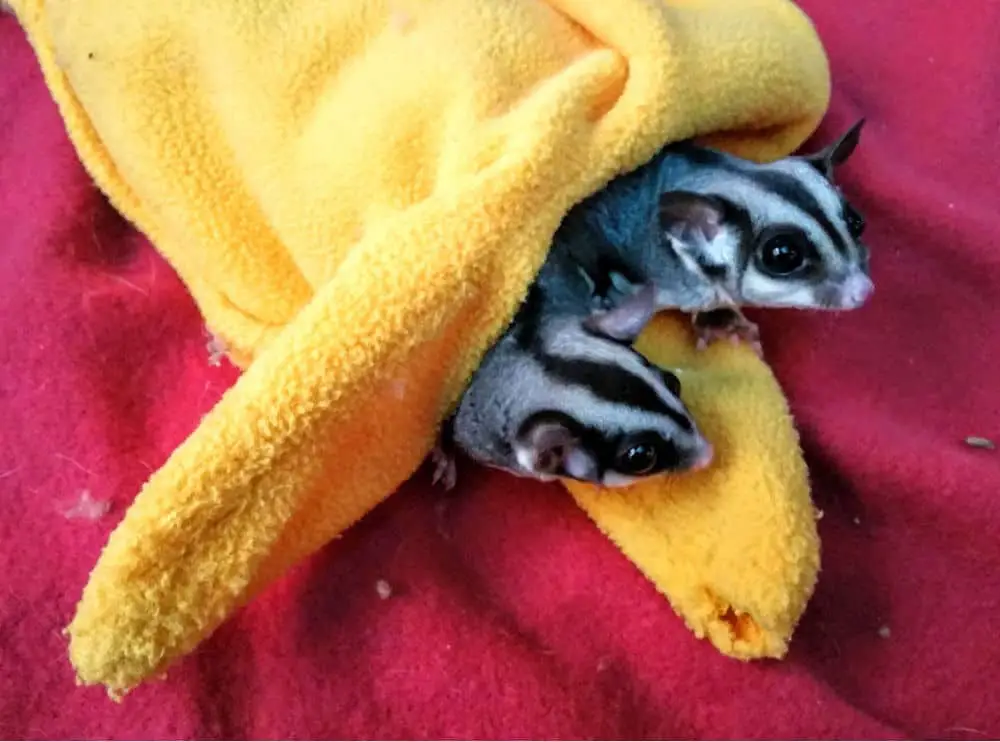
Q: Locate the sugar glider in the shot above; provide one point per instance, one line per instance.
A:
(714, 233)
(562, 394)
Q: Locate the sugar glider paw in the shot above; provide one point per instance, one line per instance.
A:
(726, 323)
(445, 471)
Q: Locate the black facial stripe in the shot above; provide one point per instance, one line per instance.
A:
(612, 383)
(791, 190)
(598, 445)
(741, 217)
(669, 378)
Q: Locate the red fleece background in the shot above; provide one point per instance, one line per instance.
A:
(511, 616)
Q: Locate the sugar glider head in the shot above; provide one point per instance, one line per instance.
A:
(608, 416)
(778, 234)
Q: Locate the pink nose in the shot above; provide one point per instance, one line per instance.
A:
(857, 290)
(704, 458)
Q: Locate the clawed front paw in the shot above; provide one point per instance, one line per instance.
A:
(728, 324)
(445, 470)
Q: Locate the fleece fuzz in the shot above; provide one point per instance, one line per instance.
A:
(357, 195)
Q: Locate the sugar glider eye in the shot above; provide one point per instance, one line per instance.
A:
(637, 456)
(784, 254)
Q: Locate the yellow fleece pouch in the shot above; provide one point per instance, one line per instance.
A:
(358, 194)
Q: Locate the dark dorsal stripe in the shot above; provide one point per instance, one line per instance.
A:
(607, 381)
(611, 383)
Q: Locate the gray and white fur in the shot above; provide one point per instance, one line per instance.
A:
(562, 394)
(716, 232)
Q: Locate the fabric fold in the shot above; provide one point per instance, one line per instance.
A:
(357, 194)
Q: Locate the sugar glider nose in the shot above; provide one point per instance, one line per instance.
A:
(856, 290)
(704, 457)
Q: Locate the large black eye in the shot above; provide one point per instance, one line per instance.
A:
(855, 222)
(784, 254)
(637, 457)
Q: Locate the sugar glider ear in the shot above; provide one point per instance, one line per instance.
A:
(548, 447)
(685, 215)
(834, 155)
(625, 322)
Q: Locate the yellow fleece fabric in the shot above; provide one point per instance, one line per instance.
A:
(358, 194)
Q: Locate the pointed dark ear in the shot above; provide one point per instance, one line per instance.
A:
(834, 155)
(625, 322)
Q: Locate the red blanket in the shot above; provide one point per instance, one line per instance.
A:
(501, 611)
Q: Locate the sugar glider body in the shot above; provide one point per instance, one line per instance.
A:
(712, 232)
(563, 394)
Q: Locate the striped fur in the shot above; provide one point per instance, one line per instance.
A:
(700, 263)
(557, 396)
